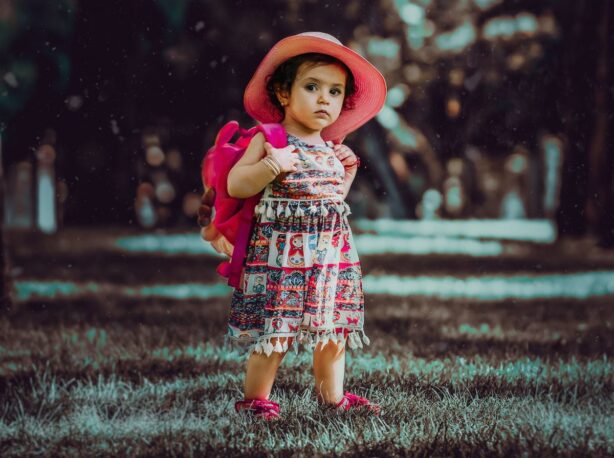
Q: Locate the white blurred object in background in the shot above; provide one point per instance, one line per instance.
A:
(46, 219)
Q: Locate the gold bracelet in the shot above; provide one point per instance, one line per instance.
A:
(276, 170)
(277, 165)
(276, 162)
(270, 165)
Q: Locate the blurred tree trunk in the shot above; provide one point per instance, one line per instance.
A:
(584, 101)
(601, 195)
(372, 145)
(5, 287)
(575, 104)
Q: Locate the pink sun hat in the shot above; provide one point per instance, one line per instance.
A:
(370, 84)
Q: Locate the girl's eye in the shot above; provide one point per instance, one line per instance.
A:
(310, 87)
(336, 92)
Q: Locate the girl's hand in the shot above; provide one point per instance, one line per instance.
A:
(348, 159)
(283, 156)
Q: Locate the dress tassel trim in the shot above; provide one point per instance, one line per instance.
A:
(356, 339)
(269, 211)
(272, 207)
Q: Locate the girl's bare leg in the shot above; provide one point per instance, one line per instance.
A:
(329, 371)
(261, 371)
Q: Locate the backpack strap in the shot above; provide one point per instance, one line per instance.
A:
(275, 134)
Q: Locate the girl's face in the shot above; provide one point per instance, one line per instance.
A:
(315, 99)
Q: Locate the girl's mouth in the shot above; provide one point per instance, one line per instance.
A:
(322, 112)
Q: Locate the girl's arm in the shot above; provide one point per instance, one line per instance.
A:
(350, 174)
(348, 159)
(250, 175)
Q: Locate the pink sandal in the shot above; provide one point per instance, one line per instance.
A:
(261, 408)
(351, 400)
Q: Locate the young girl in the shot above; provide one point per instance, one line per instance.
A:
(302, 280)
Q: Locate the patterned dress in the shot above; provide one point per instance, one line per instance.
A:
(302, 276)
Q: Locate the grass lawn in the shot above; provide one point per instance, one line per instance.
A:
(105, 374)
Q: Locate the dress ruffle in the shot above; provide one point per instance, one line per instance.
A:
(263, 345)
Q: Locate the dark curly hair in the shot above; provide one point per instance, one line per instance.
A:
(284, 75)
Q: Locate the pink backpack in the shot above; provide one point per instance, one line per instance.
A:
(232, 222)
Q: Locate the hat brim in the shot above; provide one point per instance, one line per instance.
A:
(370, 84)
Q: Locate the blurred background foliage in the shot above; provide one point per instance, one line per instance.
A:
(496, 109)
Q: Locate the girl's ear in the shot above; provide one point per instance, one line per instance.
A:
(282, 96)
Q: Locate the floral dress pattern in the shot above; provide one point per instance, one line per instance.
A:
(302, 276)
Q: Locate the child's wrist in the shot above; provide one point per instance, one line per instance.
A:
(276, 163)
(354, 165)
(272, 165)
